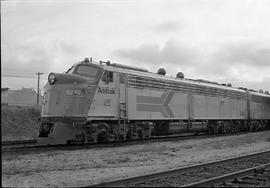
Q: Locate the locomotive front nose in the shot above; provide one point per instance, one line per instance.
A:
(67, 96)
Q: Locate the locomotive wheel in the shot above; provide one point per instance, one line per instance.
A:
(112, 137)
(141, 134)
(165, 127)
(122, 137)
(210, 130)
(130, 136)
(102, 137)
(226, 128)
(220, 129)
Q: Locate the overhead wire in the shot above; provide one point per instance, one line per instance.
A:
(22, 70)
(18, 76)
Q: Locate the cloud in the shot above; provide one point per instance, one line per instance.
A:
(37, 56)
(173, 52)
(26, 58)
(167, 27)
(240, 62)
(244, 60)
(144, 53)
(245, 53)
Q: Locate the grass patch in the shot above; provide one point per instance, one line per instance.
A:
(19, 122)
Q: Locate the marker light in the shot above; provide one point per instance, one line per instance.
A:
(51, 78)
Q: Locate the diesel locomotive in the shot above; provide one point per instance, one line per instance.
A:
(107, 102)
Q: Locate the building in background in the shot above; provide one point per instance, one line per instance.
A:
(23, 97)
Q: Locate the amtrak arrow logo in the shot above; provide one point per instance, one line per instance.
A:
(156, 104)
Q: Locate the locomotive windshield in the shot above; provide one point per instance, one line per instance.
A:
(70, 70)
(86, 70)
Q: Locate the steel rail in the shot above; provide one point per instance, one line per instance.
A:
(18, 145)
(33, 141)
(167, 138)
(164, 138)
(227, 177)
(18, 142)
(148, 177)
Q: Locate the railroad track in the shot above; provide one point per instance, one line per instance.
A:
(200, 174)
(31, 145)
(258, 176)
(16, 146)
(18, 142)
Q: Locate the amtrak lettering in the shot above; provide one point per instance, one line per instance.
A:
(156, 104)
(106, 90)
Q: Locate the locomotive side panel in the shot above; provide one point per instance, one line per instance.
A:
(259, 107)
(200, 107)
(267, 110)
(238, 109)
(259, 111)
(141, 113)
(232, 108)
(144, 103)
(208, 107)
(156, 104)
(180, 105)
(105, 103)
(224, 108)
(212, 107)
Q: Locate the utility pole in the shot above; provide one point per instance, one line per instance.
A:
(38, 73)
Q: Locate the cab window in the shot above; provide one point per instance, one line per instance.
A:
(107, 77)
(110, 76)
(70, 70)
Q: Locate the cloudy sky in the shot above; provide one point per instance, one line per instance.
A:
(220, 40)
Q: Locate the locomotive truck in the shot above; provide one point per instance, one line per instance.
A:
(107, 102)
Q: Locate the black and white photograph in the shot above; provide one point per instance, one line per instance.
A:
(135, 93)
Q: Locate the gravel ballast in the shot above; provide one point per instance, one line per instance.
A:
(85, 167)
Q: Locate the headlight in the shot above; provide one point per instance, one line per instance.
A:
(51, 78)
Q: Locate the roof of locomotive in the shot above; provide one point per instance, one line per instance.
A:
(259, 94)
(145, 73)
(169, 78)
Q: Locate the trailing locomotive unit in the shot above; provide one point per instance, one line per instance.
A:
(94, 102)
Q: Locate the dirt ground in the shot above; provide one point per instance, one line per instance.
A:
(90, 166)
